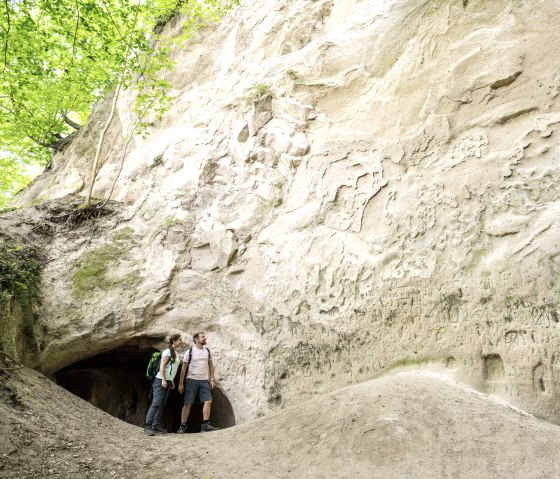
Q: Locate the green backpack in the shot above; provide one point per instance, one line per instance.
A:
(153, 365)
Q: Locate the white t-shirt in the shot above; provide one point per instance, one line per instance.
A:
(170, 368)
(198, 367)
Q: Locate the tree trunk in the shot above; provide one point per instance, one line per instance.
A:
(93, 174)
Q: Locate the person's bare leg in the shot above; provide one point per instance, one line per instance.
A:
(185, 413)
(206, 410)
(206, 426)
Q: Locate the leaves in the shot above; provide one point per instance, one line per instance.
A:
(58, 57)
(13, 177)
(20, 266)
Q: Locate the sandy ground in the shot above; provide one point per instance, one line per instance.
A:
(408, 425)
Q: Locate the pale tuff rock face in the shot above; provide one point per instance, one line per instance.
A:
(339, 187)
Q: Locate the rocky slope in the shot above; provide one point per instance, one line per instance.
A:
(339, 187)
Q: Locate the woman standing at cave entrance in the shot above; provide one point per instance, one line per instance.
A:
(163, 383)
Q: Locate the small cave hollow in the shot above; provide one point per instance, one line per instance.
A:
(115, 382)
(493, 368)
(539, 378)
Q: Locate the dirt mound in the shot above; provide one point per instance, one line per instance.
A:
(407, 425)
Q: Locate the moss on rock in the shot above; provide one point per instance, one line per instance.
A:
(20, 272)
(95, 269)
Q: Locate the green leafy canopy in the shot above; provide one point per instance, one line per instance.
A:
(58, 57)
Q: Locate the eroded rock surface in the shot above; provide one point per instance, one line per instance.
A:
(339, 187)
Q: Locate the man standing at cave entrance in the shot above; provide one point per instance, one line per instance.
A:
(197, 366)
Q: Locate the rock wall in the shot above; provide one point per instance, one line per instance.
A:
(339, 188)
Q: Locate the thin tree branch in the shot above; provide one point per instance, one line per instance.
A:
(73, 124)
(75, 33)
(40, 142)
(58, 145)
(55, 145)
(117, 176)
(8, 15)
(67, 69)
(7, 36)
(100, 144)
(128, 46)
(102, 137)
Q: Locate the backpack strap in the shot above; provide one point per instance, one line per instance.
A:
(190, 354)
(171, 360)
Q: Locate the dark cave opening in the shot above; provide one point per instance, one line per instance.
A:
(115, 382)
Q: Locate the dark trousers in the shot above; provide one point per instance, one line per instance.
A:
(159, 398)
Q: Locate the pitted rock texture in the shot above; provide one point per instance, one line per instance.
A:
(338, 188)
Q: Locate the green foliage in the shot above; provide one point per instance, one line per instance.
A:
(20, 271)
(259, 91)
(256, 93)
(293, 75)
(20, 268)
(157, 161)
(58, 57)
(13, 177)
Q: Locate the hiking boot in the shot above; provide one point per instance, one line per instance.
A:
(149, 432)
(182, 429)
(207, 427)
(160, 430)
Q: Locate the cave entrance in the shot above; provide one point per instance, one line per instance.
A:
(115, 382)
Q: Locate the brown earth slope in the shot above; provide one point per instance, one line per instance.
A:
(407, 425)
